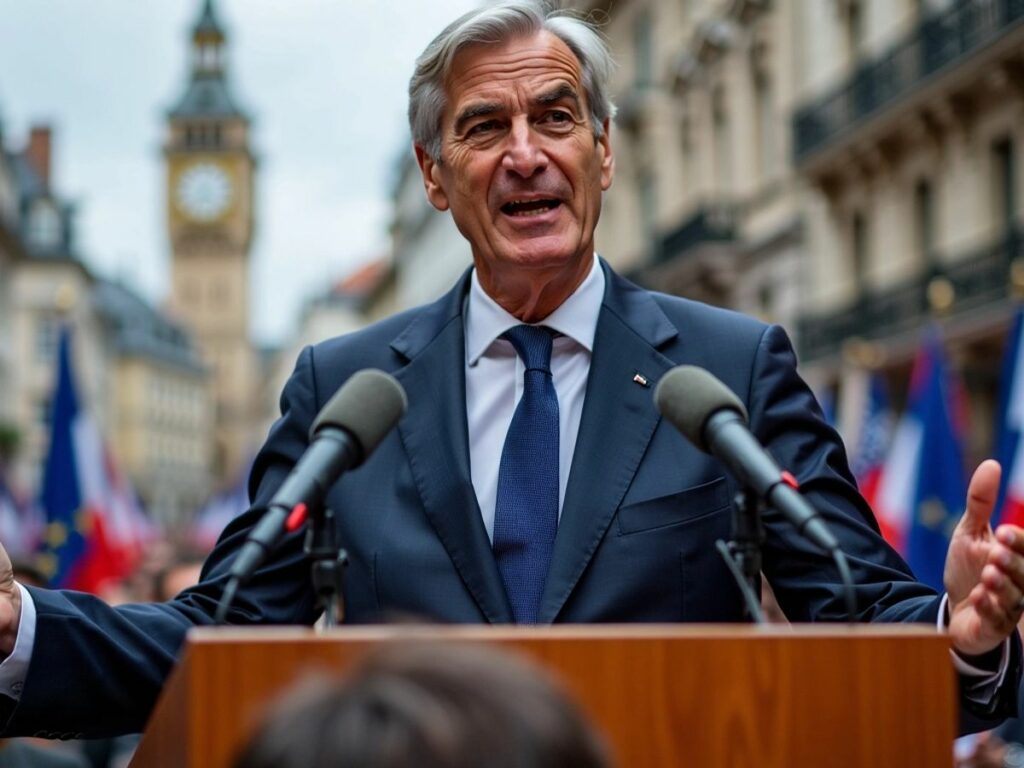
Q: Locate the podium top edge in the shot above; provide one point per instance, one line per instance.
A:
(590, 632)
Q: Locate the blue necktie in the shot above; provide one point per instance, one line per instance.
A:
(526, 513)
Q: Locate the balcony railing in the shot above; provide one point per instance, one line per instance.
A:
(977, 279)
(710, 224)
(939, 41)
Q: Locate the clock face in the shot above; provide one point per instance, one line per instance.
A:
(204, 191)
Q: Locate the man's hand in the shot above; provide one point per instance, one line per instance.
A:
(10, 606)
(984, 574)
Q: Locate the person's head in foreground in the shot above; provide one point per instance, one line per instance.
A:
(423, 705)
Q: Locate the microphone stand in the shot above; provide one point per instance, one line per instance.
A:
(742, 554)
(328, 562)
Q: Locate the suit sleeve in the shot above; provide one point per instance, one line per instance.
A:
(97, 670)
(787, 419)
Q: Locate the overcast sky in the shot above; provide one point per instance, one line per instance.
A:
(325, 81)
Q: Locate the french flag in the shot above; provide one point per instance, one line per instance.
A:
(867, 458)
(923, 487)
(1010, 441)
(95, 532)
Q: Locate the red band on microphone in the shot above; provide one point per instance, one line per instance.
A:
(296, 518)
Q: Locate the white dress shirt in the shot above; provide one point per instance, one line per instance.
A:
(494, 380)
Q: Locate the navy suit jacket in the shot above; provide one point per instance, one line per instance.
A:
(635, 540)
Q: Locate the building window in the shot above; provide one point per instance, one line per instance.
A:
(44, 413)
(855, 30)
(764, 117)
(643, 49)
(859, 249)
(765, 302)
(1004, 186)
(648, 209)
(8, 194)
(203, 136)
(219, 294)
(720, 134)
(44, 226)
(924, 222)
(46, 337)
(190, 292)
(686, 148)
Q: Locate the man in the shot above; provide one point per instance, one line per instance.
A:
(572, 503)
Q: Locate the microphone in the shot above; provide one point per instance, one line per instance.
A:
(343, 435)
(712, 418)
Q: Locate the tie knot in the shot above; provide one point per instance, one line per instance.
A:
(533, 345)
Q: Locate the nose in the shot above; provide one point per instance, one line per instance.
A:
(523, 155)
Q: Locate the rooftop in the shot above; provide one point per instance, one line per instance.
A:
(207, 95)
(141, 330)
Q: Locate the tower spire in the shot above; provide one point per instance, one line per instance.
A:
(207, 26)
(207, 43)
(207, 93)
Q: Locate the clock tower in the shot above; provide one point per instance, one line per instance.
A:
(210, 171)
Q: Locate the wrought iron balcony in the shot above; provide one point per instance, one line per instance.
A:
(977, 279)
(941, 40)
(710, 224)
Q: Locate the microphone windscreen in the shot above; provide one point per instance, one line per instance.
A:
(367, 406)
(688, 396)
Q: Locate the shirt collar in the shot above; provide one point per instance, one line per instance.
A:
(576, 318)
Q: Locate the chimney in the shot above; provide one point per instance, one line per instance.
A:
(39, 152)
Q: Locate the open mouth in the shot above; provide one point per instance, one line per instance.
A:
(529, 207)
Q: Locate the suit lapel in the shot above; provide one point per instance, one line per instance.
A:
(618, 420)
(434, 435)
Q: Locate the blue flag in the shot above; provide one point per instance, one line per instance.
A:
(940, 490)
(61, 498)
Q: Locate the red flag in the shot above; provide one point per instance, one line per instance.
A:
(1010, 451)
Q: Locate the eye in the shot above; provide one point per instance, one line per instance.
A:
(558, 118)
(482, 127)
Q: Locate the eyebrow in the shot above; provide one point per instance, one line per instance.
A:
(559, 93)
(474, 111)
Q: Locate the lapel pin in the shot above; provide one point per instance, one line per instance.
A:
(640, 379)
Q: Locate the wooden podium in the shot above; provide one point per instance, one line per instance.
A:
(662, 695)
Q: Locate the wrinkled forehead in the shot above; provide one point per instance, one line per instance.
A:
(511, 69)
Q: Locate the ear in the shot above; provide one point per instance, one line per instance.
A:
(607, 157)
(432, 181)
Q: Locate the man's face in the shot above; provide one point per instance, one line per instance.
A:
(520, 168)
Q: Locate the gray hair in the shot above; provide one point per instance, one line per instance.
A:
(494, 24)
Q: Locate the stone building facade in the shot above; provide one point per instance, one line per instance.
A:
(848, 168)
